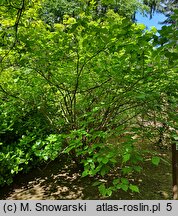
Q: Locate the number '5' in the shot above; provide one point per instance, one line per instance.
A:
(169, 207)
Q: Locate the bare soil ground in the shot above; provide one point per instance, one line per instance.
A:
(61, 180)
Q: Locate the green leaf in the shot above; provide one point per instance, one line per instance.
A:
(134, 188)
(124, 181)
(105, 160)
(127, 170)
(52, 138)
(155, 160)
(138, 168)
(85, 173)
(46, 157)
(90, 160)
(110, 155)
(126, 158)
(115, 181)
(102, 189)
(109, 192)
(124, 187)
(141, 96)
(96, 183)
(175, 138)
(99, 159)
(113, 160)
(103, 171)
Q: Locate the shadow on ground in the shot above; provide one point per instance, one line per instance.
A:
(61, 180)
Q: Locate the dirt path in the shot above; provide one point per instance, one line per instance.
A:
(61, 180)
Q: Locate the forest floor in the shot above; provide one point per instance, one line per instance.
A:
(61, 180)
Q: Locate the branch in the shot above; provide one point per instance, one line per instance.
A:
(9, 94)
(97, 86)
(18, 16)
(50, 82)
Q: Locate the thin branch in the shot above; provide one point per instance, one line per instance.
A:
(50, 82)
(18, 17)
(59, 88)
(97, 86)
(9, 94)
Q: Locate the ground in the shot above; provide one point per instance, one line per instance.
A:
(61, 180)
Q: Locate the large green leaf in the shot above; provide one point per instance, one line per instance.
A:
(155, 160)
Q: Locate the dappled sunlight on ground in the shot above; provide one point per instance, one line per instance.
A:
(60, 180)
